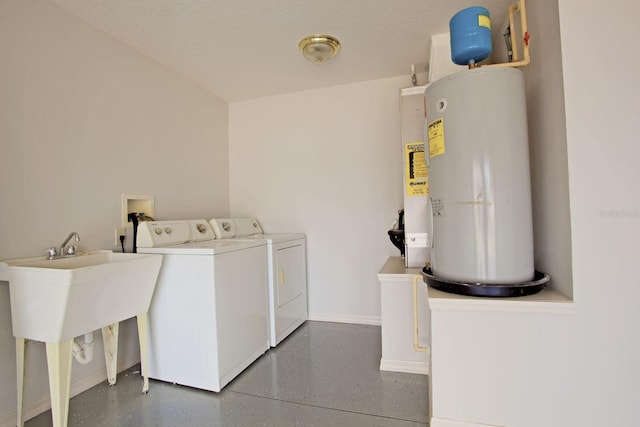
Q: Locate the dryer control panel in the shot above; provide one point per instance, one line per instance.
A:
(226, 228)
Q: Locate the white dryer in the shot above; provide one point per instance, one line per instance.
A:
(287, 272)
(208, 318)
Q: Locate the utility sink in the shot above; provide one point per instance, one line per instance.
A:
(56, 300)
(59, 299)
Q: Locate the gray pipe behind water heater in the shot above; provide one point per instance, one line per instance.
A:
(479, 179)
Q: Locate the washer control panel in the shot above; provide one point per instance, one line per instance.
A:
(200, 230)
(224, 228)
(152, 234)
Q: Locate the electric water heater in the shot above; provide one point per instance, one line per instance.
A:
(479, 179)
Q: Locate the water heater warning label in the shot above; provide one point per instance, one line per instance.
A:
(416, 170)
(438, 207)
(436, 137)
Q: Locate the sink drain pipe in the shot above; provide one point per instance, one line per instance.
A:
(83, 353)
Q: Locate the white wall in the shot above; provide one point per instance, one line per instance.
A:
(548, 147)
(84, 119)
(602, 108)
(328, 163)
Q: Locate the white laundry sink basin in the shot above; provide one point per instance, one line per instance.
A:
(56, 300)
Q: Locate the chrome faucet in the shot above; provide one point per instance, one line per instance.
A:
(53, 252)
(71, 249)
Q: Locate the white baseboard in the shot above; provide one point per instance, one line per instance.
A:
(77, 387)
(342, 318)
(407, 366)
(442, 422)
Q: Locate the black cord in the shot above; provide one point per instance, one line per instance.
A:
(122, 243)
(133, 217)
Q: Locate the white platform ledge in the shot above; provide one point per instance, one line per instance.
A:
(545, 301)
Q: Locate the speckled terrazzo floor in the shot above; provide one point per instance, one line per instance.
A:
(324, 374)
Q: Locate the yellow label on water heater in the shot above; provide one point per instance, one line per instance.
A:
(436, 137)
(416, 180)
(484, 21)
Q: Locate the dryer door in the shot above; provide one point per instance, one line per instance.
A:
(291, 275)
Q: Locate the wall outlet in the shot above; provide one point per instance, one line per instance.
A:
(120, 231)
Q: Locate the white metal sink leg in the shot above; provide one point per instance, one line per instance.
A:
(59, 363)
(59, 358)
(144, 351)
(110, 342)
(20, 356)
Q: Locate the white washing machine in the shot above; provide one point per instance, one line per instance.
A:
(287, 272)
(208, 318)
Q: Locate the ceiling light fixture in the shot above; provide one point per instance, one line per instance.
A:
(319, 47)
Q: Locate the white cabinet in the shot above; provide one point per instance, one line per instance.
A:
(502, 361)
(405, 319)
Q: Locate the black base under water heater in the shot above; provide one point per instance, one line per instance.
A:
(479, 289)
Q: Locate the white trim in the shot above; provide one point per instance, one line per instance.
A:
(443, 422)
(345, 318)
(413, 90)
(77, 387)
(547, 301)
(407, 366)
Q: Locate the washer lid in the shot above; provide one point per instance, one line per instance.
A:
(276, 238)
(210, 247)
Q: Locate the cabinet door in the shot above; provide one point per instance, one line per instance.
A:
(291, 276)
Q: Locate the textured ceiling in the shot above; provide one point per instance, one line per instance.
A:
(242, 49)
